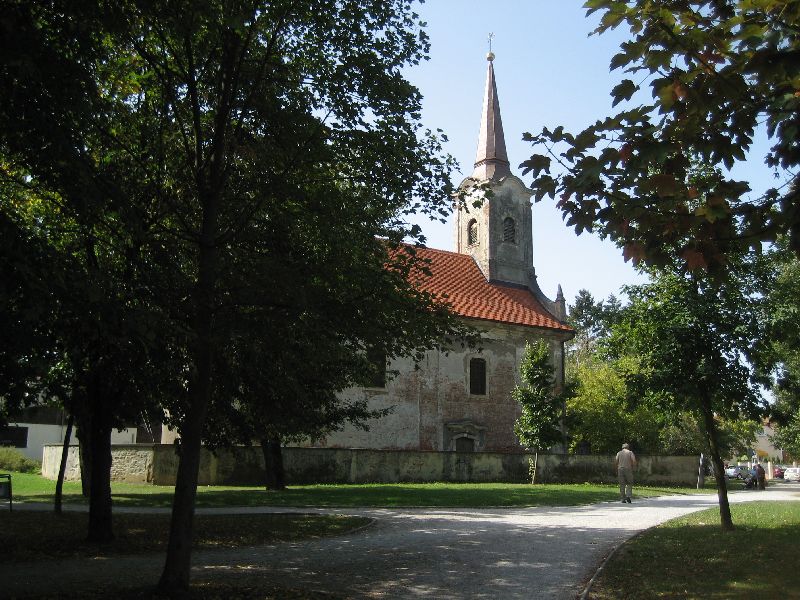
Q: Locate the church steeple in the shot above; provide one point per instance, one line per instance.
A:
(491, 160)
(496, 229)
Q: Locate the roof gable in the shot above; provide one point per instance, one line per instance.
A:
(457, 280)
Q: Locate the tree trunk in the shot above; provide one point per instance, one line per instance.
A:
(100, 526)
(62, 467)
(176, 574)
(209, 182)
(719, 468)
(85, 454)
(177, 567)
(274, 475)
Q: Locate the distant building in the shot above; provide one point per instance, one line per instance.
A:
(764, 448)
(39, 426)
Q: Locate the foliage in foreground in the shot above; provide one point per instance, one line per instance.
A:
(700, 80)
(691, 557)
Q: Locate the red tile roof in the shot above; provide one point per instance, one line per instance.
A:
(457, 279)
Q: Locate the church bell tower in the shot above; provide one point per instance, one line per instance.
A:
(494, 222)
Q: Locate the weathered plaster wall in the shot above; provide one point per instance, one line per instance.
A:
(245, 466)
(431, 405)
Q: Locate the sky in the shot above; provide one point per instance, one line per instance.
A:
(549, 72)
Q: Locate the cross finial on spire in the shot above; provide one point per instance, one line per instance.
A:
(490, 56)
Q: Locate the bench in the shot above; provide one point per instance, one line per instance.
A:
(5, 489)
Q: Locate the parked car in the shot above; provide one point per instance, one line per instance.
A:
(736, 472)
(792, 474)
(777, 472)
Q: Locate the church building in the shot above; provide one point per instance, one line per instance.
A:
(461, 400)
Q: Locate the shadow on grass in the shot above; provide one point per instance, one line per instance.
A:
(388, 496)
(44, 535)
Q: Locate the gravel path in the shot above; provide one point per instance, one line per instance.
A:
(546, 552)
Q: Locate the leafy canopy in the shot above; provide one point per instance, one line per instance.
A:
(717, 71)
(693, 339)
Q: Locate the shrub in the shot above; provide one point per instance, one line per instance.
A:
(12, 459)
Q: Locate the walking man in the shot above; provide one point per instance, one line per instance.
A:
(624, 463)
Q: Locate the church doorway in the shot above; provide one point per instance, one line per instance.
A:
(465, 444)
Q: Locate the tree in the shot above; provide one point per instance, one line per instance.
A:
(538, 425)
(684, 434)
(288, 392)
(692, 336)
(787, 437)
(602, 414)
(255, 164)
(27, 340)
(592, 321)
(717, 71)
(778, 350)
(97, 360)
(63, 184)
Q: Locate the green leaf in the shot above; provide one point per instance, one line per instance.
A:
(619, 60)
(623, 91)
(536, 164)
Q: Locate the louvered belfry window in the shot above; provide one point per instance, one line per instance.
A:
(472, 232)
(509, 230)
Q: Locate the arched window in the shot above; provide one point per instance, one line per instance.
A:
(472, 232)
(477, 376)
(509, 230)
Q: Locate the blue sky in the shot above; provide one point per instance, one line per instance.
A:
(549, 72)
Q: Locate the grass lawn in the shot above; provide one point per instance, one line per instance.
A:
(33, 488)
(692, 558)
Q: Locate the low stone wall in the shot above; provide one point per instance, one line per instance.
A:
(132, 463)
(651, 470)
(158, 464)
(51, 459)
(315, 465)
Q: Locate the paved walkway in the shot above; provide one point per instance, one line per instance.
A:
(547, 553)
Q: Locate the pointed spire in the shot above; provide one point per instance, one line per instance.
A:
(560, 305)
(491, 161)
